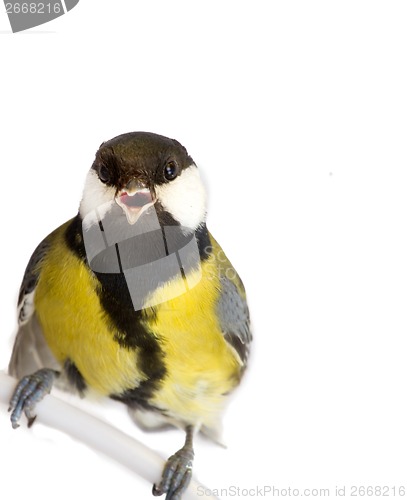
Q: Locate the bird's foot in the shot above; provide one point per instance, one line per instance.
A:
(29, 391)
(177, 474)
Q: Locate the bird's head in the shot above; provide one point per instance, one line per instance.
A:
(142, 172)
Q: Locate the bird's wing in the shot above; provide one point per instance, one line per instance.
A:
(234, 318)
(30, 351)
(233, 312)
(25, 306)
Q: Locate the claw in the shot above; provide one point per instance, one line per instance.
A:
(177, 472)
(29, 391)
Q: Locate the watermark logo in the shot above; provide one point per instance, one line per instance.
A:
(148, 254)
(25, 15)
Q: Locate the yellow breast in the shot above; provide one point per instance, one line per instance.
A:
(201, 366)
(75, 325)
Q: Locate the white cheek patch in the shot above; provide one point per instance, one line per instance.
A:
(185, 198)
(97, 200)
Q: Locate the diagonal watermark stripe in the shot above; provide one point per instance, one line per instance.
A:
(70, 4)
(146, 255)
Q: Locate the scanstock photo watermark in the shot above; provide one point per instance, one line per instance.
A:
(25, 15)
(348, 491)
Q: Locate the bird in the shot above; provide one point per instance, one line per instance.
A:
(133, 299)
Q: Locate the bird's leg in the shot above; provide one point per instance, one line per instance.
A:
(29, 391)
(177, 471)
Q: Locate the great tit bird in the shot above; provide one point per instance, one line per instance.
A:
(135, 300)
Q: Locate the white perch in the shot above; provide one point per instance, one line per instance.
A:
(99, 435)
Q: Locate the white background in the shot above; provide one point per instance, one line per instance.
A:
(296, 113)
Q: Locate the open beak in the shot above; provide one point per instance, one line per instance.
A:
(134, 202)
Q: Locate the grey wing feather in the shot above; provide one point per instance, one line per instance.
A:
(30, 280)
(234, 318)
(30, 351)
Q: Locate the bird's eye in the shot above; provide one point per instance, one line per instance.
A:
(171, 170)
(104, 174)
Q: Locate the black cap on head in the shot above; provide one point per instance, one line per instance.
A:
(149, 158)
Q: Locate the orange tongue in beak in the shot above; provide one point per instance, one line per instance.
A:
(134, 204)
(138, 200)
